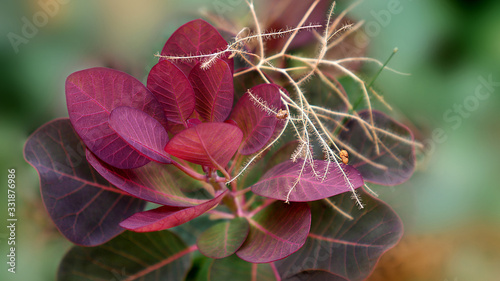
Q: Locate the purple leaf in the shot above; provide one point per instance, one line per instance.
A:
(255, 121)
(278, 181)
(173, 90)
(168, 216)
(130, 256)
(234, 268)
(141, 131)
(312, 275)
(196, 37)
(91, 95)
(223, 239)
(207, 144)
(157, 183)
(84, 207)
(396, 162)
(213, 88)
(276, 232)
(349, 248)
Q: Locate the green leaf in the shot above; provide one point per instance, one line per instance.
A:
(131, 256)
(223, 239)
(233, 268)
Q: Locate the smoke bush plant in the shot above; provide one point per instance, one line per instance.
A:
(208, 159)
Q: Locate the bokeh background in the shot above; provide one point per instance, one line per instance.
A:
(451, 206)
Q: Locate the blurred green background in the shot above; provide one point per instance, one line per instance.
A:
(451, 205)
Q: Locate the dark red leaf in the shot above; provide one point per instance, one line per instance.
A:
(223, 239)
(276, 232)
(167, 216)
(285, 14)
(278, 181)
(91, 95)
(234, 268)
(349, 248)
(207, 144)
(213, 88)
(315, 275)
(173, 90)
(84, 207)
(396, 162)
(256, 122)
(130, 256)
(157, 183)
(141, 131)
(196, 37)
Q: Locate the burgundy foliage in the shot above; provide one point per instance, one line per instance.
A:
(91, 95)
(396, 161)
(173, 90)
(257, 125)
(168, 216)
(156, 183)
(207, 144)
(83, 205)
(213, 89)
(196, 37)
(276, 232)
(349, 248)
(277, 182)
(141, 131)
(176, 143)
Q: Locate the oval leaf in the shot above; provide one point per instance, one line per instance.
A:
(91, 95)
(130, 256)
(160, 184)
(234, 268)
(196, 37)
(256, 122)
(84, 206)
(223, 239)
(276, 232)
(349, 248)
(173, 90)
(278, 181)
(141, 131)
(207, 144)
(396, 162)
(312, 275)
(168, 216)
(213, 88)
